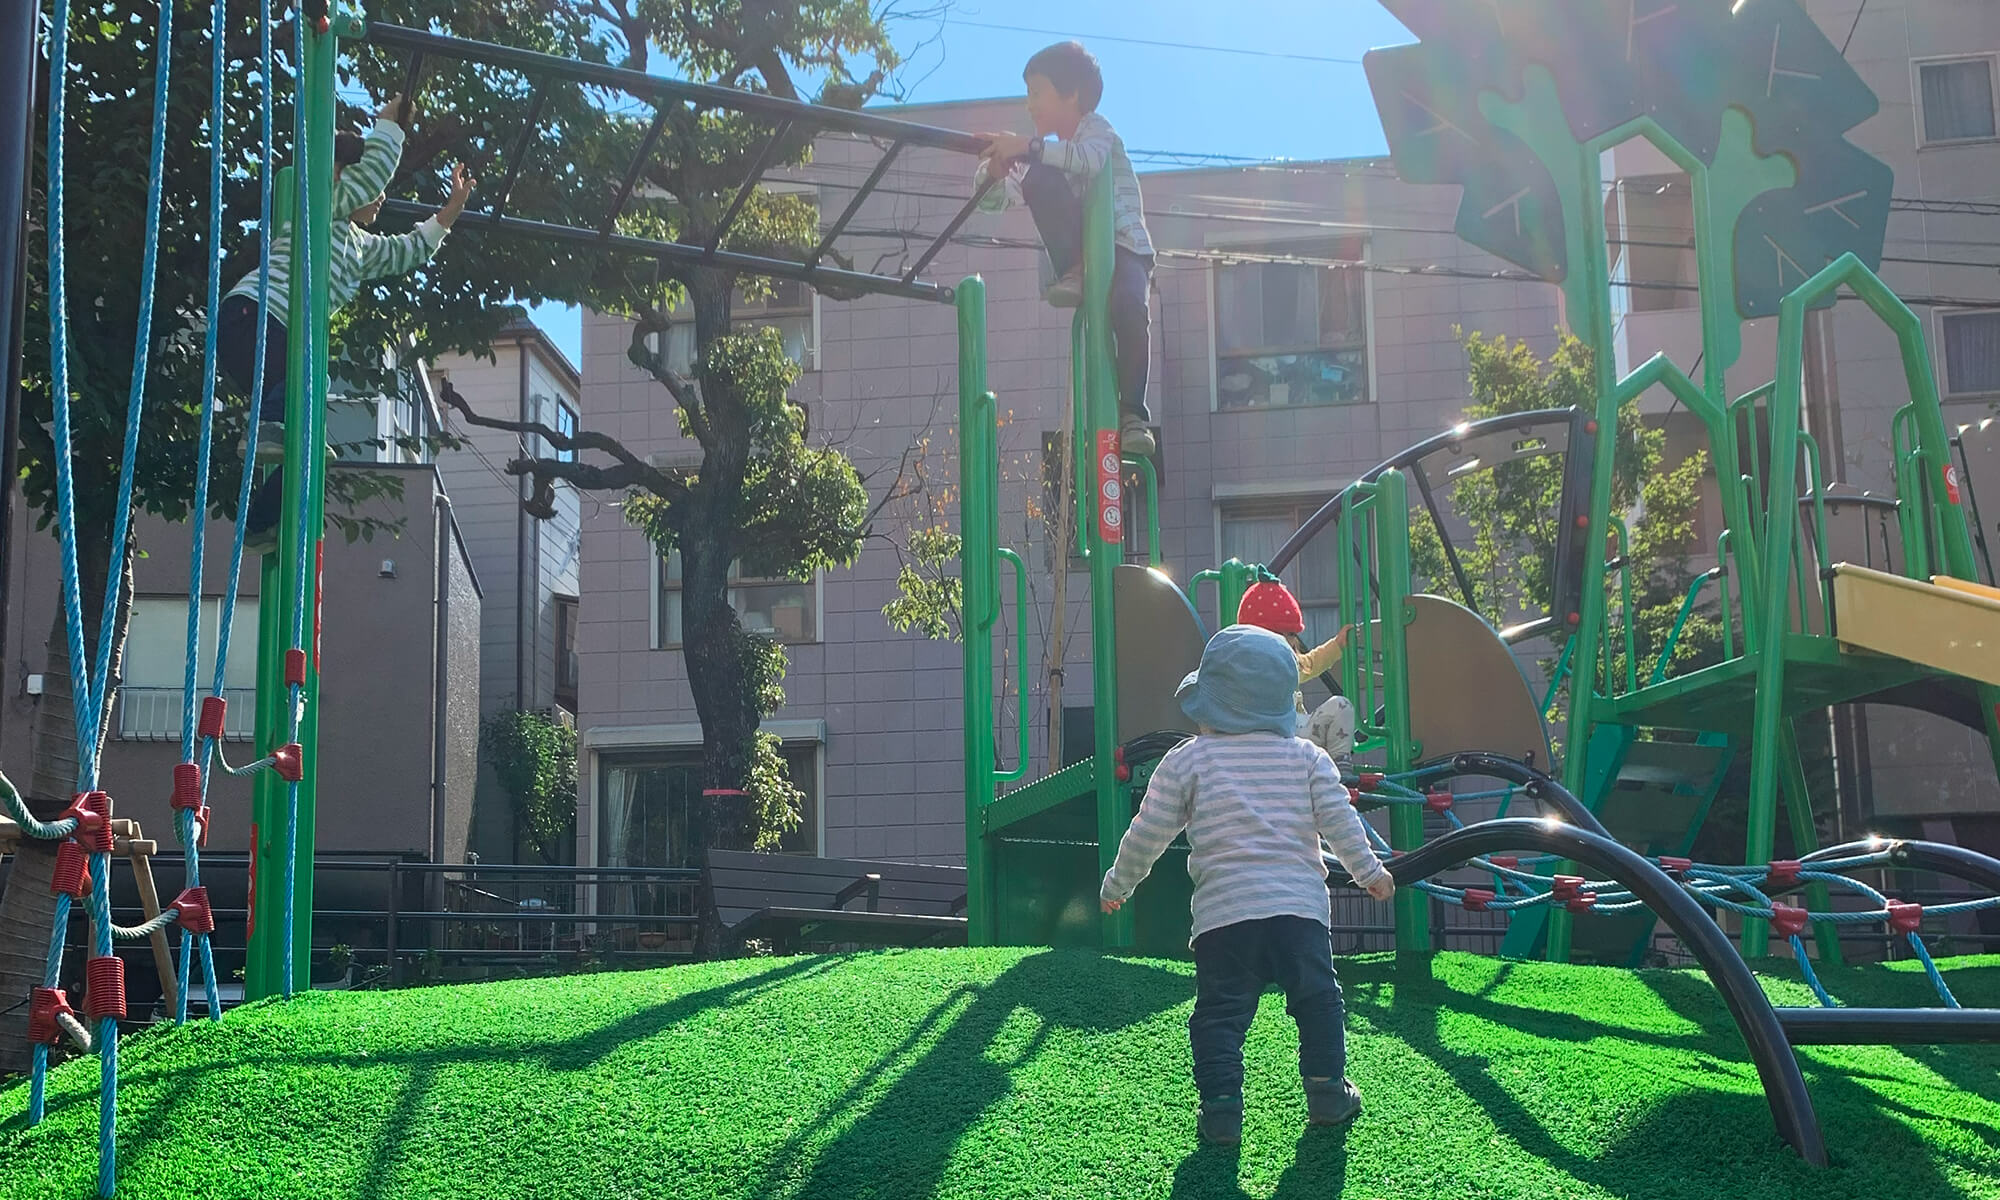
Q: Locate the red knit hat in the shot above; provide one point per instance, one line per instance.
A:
(1270, 605)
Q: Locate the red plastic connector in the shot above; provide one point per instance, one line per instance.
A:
(44, 1006)
(1675, 866)
(187, 786)
(295, 667)
(104, 976)
(196, 915)
(1354, 796)
(72, 875)
(1574, 619)
(1788, 921)
(1438, 801)
(1122, 773)
(289, 759)
(1582, 902)
(201, 819)
(1476, 899)
(1510, 861)
(1369, 780)
(214, 710)
(1118, 754)
(92, 810)
(1565, 887)
(1905, 918)
(1582, 521)
(1783, 872)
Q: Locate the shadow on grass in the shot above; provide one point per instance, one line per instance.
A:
(1318, 1170)
(902, 1143)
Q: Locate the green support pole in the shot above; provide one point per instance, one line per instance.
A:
(278, 841)
(1236, 578)
(980, 599)
(1805, 840)
(1406, 822)
(1105, 512)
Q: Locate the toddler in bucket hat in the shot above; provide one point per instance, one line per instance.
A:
(1245, 684)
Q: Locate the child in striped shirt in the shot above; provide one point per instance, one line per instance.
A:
(1050, 176)
(1255, 801)
(362, 169)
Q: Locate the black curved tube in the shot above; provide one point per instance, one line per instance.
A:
(1770, 1050)
(1538, 786)
(1955, 861)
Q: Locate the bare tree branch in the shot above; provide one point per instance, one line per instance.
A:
(631, 471)
(686, 392)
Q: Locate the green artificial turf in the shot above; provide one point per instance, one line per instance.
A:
(1008, 1073)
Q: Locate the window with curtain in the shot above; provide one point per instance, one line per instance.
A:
(151, 702)
(1289, 334)
(788, 309)
(785, 609)
(646, 809)
(1252, 531)
(1957, 99)
(1971, 352)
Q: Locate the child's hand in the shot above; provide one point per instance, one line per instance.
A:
(462, 184)
(1004, 147)
(1383, 888)
(392, 109)
(1110, 906)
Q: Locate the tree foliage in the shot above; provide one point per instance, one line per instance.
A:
(534, 757)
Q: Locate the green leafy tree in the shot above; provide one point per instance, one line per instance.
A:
(534, 757)
(1509, 512)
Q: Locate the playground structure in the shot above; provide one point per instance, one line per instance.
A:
(1518, 111)
(1034, 853)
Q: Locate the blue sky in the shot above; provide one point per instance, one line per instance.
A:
(1255, 78)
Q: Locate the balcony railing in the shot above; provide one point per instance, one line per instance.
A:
(154, 714)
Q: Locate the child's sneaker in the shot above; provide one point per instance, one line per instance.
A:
(270, 441)
(1066, 292)
(1134, 439)
(260, 530)
(1330, 1103)
(1220, 1120)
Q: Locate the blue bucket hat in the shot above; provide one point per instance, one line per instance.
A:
(1245, 684)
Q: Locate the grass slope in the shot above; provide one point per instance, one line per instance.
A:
(1007, 1073)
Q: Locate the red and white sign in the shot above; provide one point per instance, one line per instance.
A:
(1951, 482)
(1110, 493)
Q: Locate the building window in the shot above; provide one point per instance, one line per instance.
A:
(1253, 530)
(646, 806)
(1971, 352)
(566, 660)
(785, 609)
(1289, 335)
(1654, 257)
(565, 424)
(1955, 98)
(792, 309)
(150, 700)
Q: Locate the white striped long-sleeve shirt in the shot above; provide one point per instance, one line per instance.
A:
(1254, 806)
(356, 255)
(1095, 145)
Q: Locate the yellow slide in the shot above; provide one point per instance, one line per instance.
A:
(1949, 624)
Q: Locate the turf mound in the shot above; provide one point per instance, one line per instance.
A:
(1007, 1073)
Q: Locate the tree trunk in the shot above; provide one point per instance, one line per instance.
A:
(27, 909)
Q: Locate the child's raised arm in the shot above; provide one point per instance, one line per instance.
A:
(1340, 825)
(381, 150)
(1085, 154)
(1166, 810)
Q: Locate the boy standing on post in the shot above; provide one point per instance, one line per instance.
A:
(1051, 172)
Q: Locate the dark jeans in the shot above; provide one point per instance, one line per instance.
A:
(1232, 967)
(236, 350)
(1058, 212)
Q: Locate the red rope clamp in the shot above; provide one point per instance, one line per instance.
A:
(1369, 780)
(187, 786)
(295, 668)
(92, 811)
(201, 819)
(104, 976)
(1476, 899)
(1566, 887)
(1782, 872)
(289, 759)
(1510, 861)
(1676, 867)
(1905, 918)
(1122, 773)
(1438, 801)
(196, 915)
(45, 1004)
(72, 874)
(213, 711)
(1582, 902)
(1788, 920)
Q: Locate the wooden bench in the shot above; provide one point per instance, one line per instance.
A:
(794, 900)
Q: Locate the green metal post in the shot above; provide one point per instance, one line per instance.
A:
(1406, 822)
(980, 598)
(284, 846)
(1105, 514)
(1236, 578)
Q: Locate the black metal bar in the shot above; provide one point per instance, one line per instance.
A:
(654, 87)
(412, 80)
(683, 253)
(17, 85)
(1972, 501)
(1955, 861)
(517, 154)
(633, 172)
(389, 938)
(750, 178)
(1423, 479)
(964, 214)
(1770, 1050)
(1889, 1026)
(1535, 784)
(854, 205)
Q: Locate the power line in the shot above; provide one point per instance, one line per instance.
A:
(1132, 41)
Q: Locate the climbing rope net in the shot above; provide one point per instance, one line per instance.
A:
(84, 831)
(1518, 883)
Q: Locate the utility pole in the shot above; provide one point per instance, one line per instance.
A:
(17, 76)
